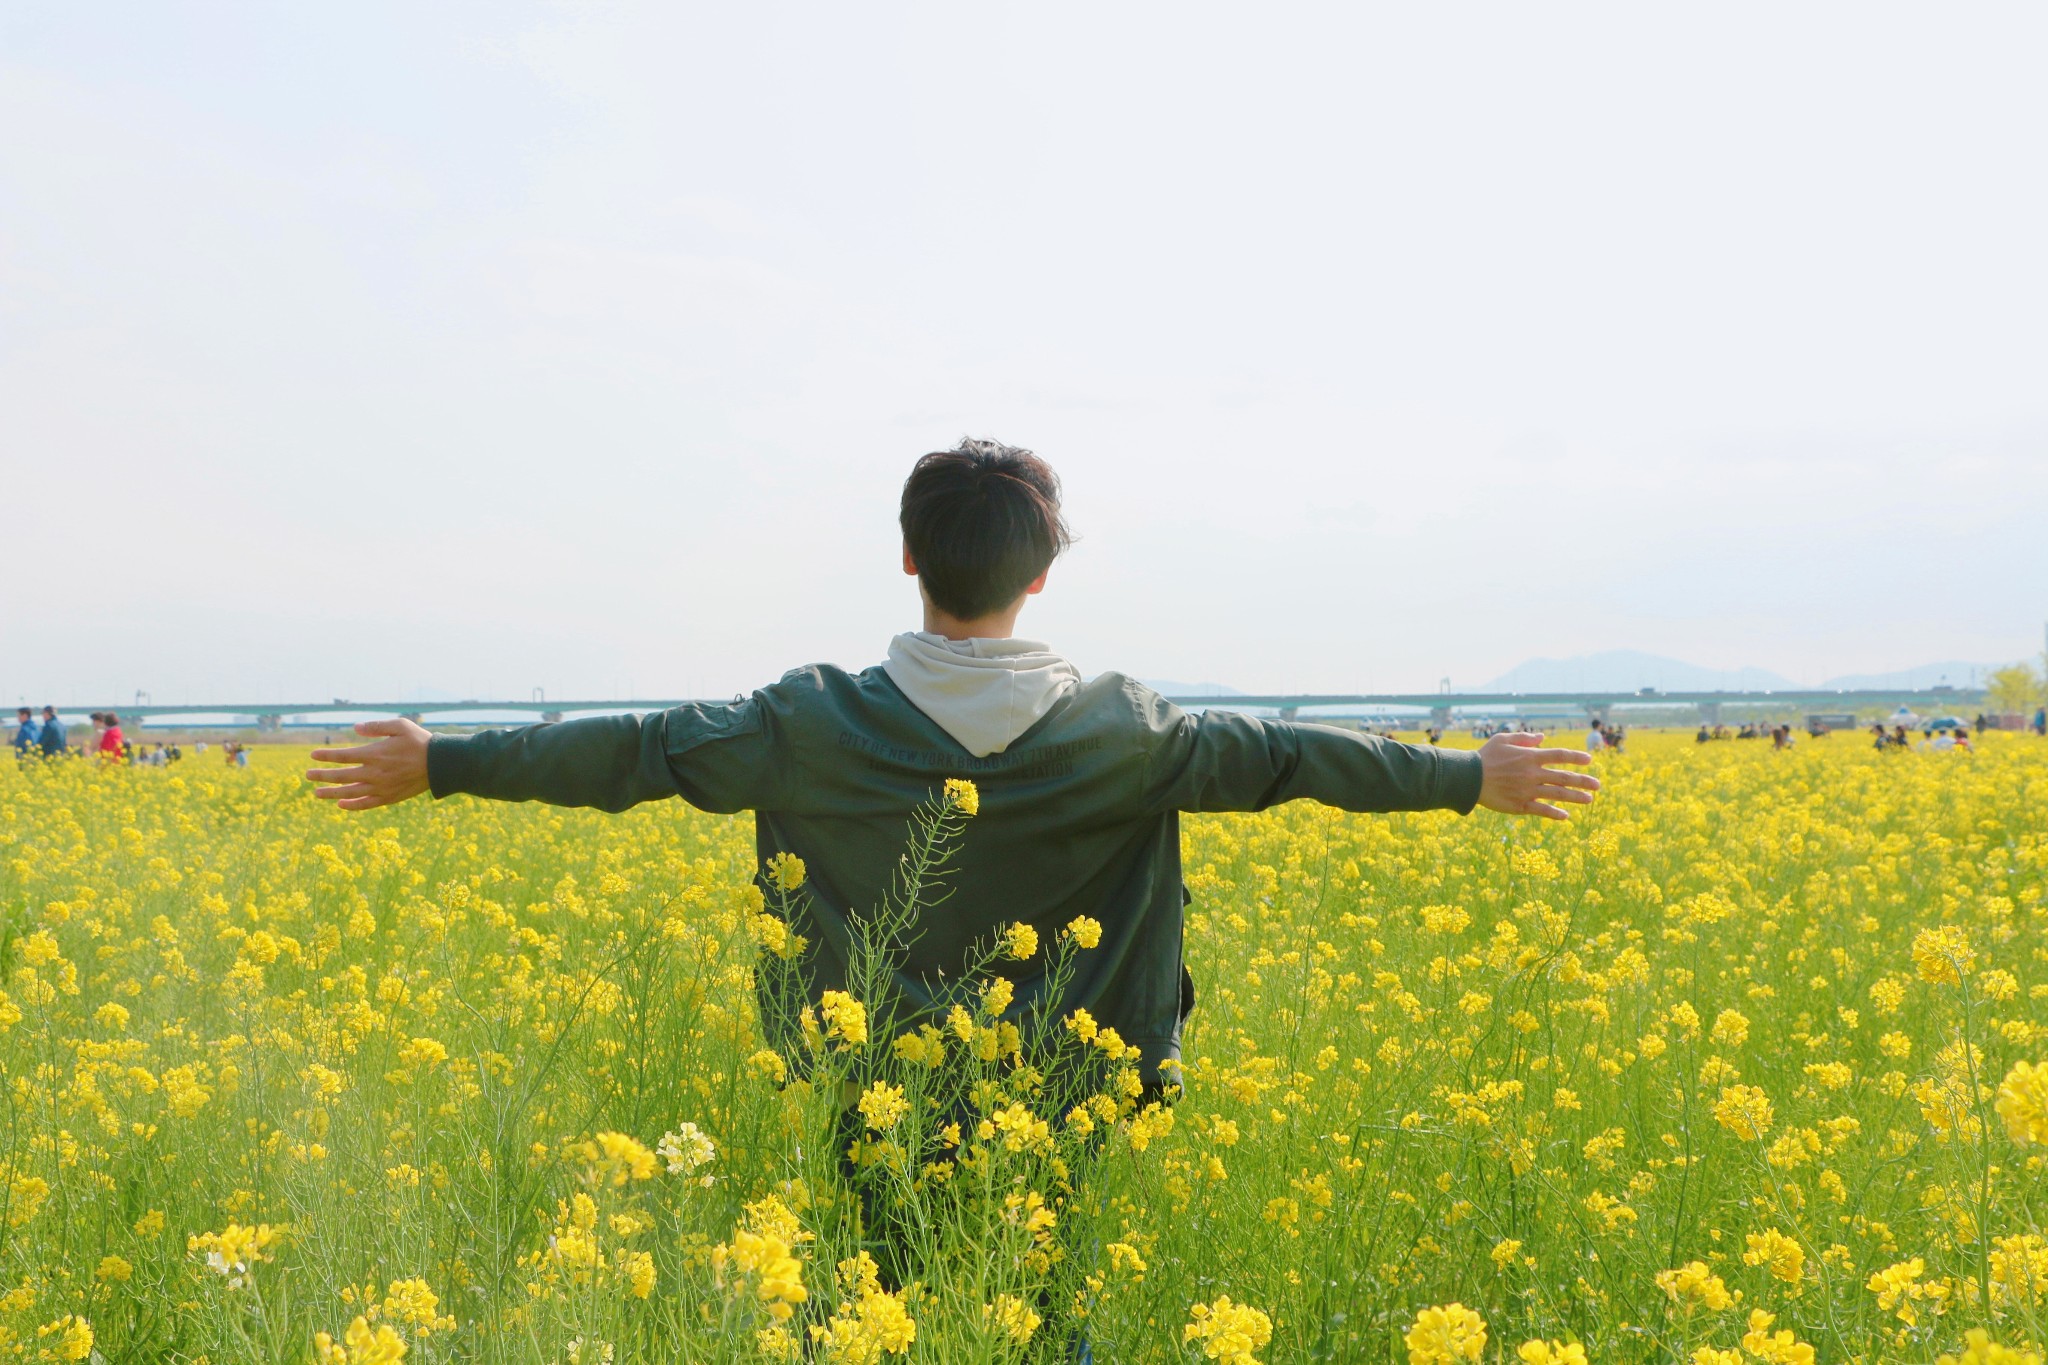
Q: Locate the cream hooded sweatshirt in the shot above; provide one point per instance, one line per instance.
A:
(984, 693)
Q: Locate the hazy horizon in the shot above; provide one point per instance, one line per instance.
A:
(356, 352)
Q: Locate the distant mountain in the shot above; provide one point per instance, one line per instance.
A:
(1166, 687)
(1629, 670)
(1953, 672)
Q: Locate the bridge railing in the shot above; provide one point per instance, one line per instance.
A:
(1439, 707)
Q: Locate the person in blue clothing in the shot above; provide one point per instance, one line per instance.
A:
(52, 737)
(27, 733)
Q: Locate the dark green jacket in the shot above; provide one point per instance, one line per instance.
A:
(1080, 816)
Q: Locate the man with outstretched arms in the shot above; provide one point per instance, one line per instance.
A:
(1082, 782)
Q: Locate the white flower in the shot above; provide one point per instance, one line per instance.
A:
(686, 1149)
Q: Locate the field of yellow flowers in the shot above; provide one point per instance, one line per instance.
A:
(1748, 1065)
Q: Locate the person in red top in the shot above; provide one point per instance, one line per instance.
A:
(110, 738)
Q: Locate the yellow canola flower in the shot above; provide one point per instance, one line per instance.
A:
(2023, 1103)
(778, 1274)
(640, 1274)
(1774, 1348)
(1016, 1318)
(1228, 1332)
(875, 1325)
(1540, 1352)
(1942, 954)
(1900, 1289)
(883, 1106)
(621, 1158)
(414, 1303)
(1785, 1258)
(1019, 942)
(963, 796)
(72, 1338)
(361, 1344)
(2019, 1267)
(1087, 931)
(1731, 1028)
(1745, 1111)
(787, 871)
(1446, 1335)
(1695, 1286)
(1980, 1349)
(846, 1019)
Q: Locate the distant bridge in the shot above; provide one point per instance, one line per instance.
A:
(1441, 707)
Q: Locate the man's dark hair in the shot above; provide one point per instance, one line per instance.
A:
(981, 521)
(23, 711)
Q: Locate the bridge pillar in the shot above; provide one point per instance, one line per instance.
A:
(1439, 717)
(1710, 712)
(269, 722)
(551, 716)
(1596, 712)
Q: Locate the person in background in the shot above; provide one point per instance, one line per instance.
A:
(27, 734)
(110, 736)
(2041, 720)
(241, 755)
(52, 737)
(1702, 737)
(1596, 738)
(1963, 739)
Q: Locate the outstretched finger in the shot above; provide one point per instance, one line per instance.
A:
(345, 793)
(1547, 811)
(1579, 756)
(362, 802)
(1550, 791)
(1585, 781)
(334, 774)
(355, 753)
(392, 725)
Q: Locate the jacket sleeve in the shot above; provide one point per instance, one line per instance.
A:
(718, 758)
(1222, 761)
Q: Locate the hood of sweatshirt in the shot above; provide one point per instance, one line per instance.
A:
(984, 693)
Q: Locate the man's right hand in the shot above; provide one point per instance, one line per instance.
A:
(1518, 778)
(392, 769)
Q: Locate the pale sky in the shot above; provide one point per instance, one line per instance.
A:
(352, 350)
